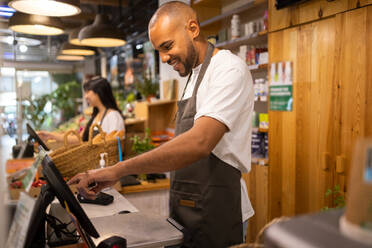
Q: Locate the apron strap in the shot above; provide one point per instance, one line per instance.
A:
(204, 67)
(103, 116)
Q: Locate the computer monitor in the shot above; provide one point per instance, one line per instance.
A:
(36, 137)
(55, 187)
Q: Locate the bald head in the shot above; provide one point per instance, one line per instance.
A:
(177, 12)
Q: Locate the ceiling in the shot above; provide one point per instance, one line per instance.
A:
(130, 15)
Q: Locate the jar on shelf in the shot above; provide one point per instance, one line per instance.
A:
(235, 27)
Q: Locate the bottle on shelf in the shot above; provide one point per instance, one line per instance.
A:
(235, 27)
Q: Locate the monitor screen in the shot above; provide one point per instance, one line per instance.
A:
(36, 137)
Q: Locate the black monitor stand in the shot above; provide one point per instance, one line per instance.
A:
(36, 233)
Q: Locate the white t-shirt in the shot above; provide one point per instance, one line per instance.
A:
(226, 94)
(112, 121)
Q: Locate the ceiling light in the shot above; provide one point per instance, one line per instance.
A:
(70, 49)
(47, 7)
(73, 37)
(23, 48)
(101, 33)
(70, 57)
(35, 24)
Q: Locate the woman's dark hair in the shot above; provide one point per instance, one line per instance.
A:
(102, 88)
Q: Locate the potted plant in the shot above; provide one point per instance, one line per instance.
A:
(141, 146)
(149, 87)
(34, 110)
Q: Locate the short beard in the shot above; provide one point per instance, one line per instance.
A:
(190, 60)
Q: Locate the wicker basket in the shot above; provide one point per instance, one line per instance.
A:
(66, 146)
(86, 156)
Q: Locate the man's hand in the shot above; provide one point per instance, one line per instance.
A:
(93, 181)
(45, 135)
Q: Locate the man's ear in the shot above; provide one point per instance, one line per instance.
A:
(193, 28)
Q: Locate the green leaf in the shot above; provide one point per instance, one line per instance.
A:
(337, 188)
(328, 192)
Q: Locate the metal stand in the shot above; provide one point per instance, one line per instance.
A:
(36, 233)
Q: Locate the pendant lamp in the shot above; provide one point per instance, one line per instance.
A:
(47, 7)
(35, 24)
(70, 57)
(101, 33)
(73, 37)
(69, 49)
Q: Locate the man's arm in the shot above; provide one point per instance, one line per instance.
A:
(181, 151)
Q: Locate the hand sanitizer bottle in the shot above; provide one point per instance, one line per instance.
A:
(102, 161)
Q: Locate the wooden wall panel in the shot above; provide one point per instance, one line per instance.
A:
(314, 90)
(257, 182)
(315, 10)
(309, 11)
(332, 108)
(359, 3)
(354, 69)
(279, 19)
(282, 134)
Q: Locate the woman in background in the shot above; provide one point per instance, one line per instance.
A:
(98, 94)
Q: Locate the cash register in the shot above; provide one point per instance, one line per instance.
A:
(56, 187)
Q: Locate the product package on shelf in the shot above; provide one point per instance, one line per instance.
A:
(260, 88)
(259, 145)
(264, 120)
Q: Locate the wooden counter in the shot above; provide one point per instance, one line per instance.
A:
(146, 186)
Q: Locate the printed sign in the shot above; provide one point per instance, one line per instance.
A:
(21, 221)
(281, 91)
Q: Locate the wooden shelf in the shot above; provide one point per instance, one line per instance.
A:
(260, 161)
(257, 67)
(146, 186)
(161, 102)
(249, 5)
(264, 100)
(263, 130)
(132, 121)
(253, 39)
(206, 2)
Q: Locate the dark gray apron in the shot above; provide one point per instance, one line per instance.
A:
(205, 196)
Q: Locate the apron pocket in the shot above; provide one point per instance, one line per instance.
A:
(223, 218)
(184, 199)
(186, 209)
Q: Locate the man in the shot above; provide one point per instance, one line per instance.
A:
(213, 135)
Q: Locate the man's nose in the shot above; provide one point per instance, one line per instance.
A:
(164, 57)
